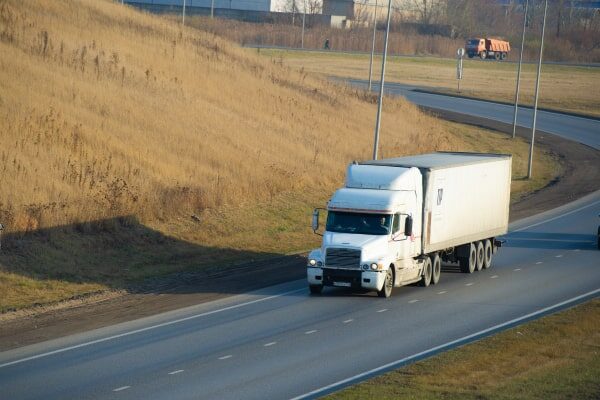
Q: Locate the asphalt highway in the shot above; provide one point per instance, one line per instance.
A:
(582, 130)
(282, 343)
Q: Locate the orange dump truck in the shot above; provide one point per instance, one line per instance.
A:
(487, 48)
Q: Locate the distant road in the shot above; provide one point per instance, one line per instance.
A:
(579, 129)
(259, 46)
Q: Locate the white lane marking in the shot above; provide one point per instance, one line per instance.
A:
(310, 332)
(444, 346)
(225, 357)
(148, 328)
(382, 310)
(121, 388)
(538, 263)
(176, 372)
(493, 276)
(413, 301)
(442, 292)
(557, 217)
(558, 255)
(270, 344)
(469, 284)
(517, 269)
(348, 321)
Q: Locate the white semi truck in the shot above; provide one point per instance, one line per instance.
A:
(397, 219)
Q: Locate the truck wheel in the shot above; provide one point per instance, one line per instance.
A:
(503, 56)
(480, 256)
(487, 253)
(315, 289)
(497, 56)
(388, 285)
(467, 264)
(426, 279)
(436, 270)
(471, 55)
(482, 55)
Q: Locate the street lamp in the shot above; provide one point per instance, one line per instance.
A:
(537, 91)
(519, 71)
(385, 43)
(373, 46)
(303, 18)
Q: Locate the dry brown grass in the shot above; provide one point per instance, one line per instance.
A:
(107, 111)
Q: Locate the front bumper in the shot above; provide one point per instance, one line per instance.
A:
(356, 279)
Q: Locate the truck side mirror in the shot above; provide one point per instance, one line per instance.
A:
(315, 220)
(408, 225)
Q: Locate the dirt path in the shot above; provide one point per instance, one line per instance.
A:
(581, 176)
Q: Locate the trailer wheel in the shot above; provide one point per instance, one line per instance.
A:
(482, 55)
(427, 267)
(467, 264)
(315, 289)
(480, 256)
(487, 253)
(436, 268)
(503, 56)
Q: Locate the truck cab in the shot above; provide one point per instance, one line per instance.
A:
(371, 234)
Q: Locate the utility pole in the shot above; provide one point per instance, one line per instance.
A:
(514, 133)
(537, 91)
(373, 46)
(212, 9)
(385, 43)
(303, 19)
(183, 14)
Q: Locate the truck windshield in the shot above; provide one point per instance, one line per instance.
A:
(365, 224)
(474, 41)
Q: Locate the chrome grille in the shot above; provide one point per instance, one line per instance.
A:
(342, 258)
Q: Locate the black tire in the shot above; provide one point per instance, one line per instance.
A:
(388, 285)
(315, 289)
(471, 55)
(497, 56)
(427, 267)
(436, 270)
(480, 256)
(482, 55)
(467, 264)
(487, 254)
(503, 56)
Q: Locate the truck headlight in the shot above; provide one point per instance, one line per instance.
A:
(374, 266)
(319, 263)
(312, 262)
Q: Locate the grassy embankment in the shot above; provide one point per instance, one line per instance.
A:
(564, 88)
(132, 149)
(555, 357)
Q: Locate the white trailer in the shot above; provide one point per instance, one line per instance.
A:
(397, 219)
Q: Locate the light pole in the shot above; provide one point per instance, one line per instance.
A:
(183, 14)
(303, 18)
(385, 42)
(537, 91)
(373, 46)
(212, 8)
(519, 71)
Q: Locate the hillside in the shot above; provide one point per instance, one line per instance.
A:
(133, 148)
(106, 111)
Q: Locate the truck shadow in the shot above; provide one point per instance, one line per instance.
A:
(549, 240)
(121, 253)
